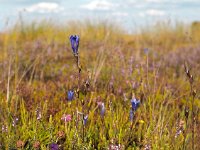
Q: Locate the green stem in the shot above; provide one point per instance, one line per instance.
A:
(79, 72)
(193, 118)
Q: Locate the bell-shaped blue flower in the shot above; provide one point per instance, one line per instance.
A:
(74, 40)
(103, 109)
(146, 50)
(85, 119)
(70, 95)
(135, 104)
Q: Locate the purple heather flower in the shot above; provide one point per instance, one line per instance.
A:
(70, 95)
(85, 119)
(99, 104)
(74, 40)
(66, 118)
(53, 146)
(135, 104)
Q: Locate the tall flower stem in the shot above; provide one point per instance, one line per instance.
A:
(83, 125)
(147, 70)
(79, 72)
(186, 122)
(193, 116)
(192, 94)
(83, 129)
(74, 40)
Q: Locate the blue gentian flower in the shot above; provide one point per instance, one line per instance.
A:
(53, 146)
(146, 50)
(131, 115)
(74, 40)
(102, 109)
(85, 119)
(135, 104)
(70, 95)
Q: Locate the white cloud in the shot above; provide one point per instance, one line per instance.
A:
(141, 14)
(120, 14)
(144, 1)
(152, 12)
(99, 5)
(44, 7)
(155, 1)
(155, 12)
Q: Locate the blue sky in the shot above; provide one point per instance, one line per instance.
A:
(128, 13)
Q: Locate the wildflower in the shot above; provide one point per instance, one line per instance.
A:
(74, 39)
(179, 128)
(141, 121)
(85, 119)
(147, 147)
(146, 50)
(38, 114)
(178, 132)
(135, 104)
(15, 121)
(4, 128)
(116, 147)
(102, 109)
(99, 103)
(53, 146)
(66, 118)
(70, 95)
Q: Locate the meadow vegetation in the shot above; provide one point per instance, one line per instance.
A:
(159, 66)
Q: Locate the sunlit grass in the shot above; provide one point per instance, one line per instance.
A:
(38, 69)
